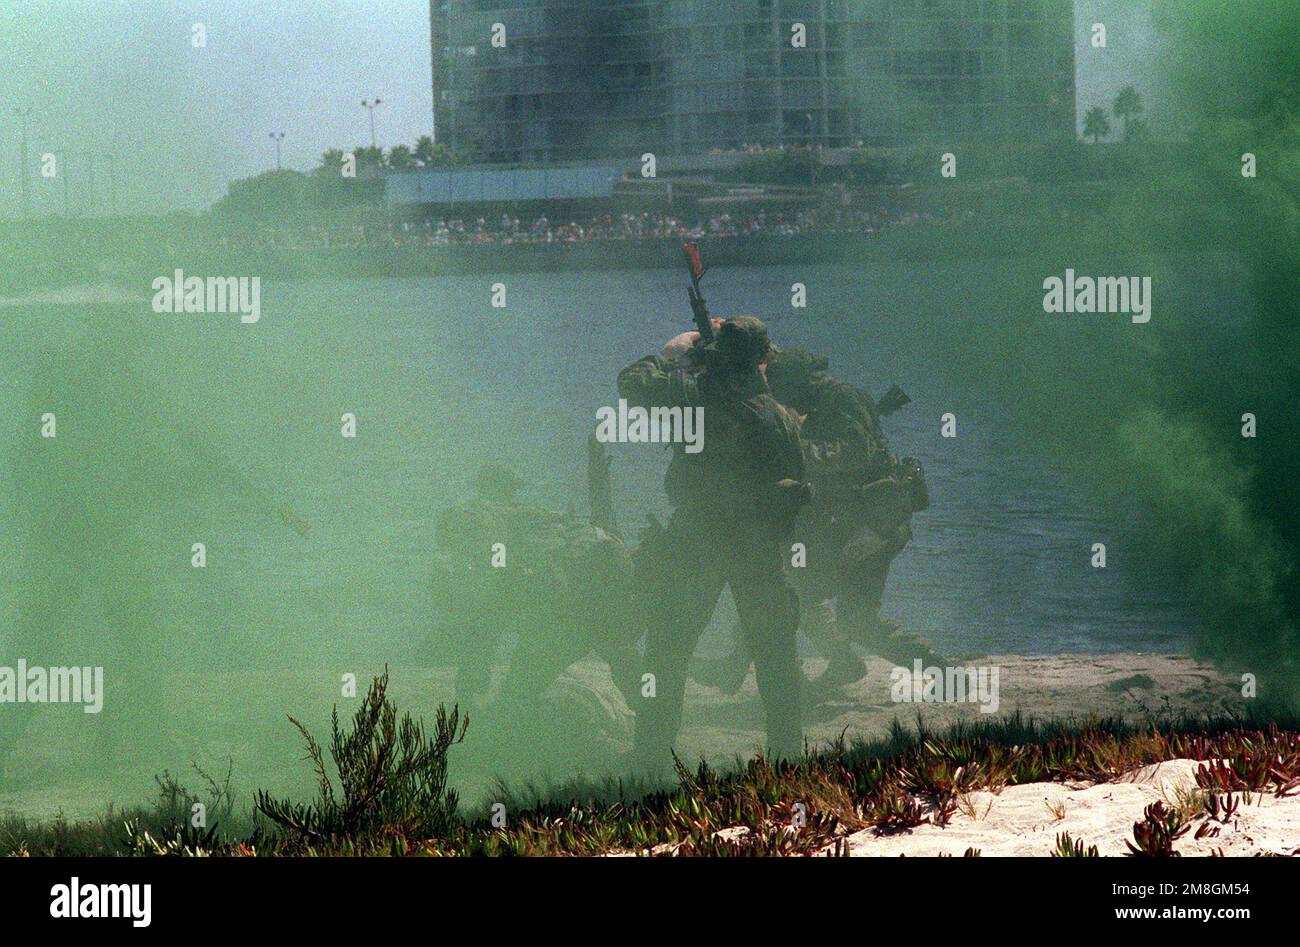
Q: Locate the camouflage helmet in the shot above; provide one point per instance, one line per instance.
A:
(794, 376)
(743, 341)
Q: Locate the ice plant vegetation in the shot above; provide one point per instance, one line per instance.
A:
(389, 794)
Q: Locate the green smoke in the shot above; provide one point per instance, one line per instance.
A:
(1150, 417)
(1237, 68)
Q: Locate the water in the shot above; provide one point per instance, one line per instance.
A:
(440, 381)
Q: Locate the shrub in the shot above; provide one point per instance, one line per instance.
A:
(392, 781)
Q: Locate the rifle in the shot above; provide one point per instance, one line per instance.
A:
(699, 311)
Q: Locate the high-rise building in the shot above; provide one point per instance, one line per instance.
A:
(555, 80)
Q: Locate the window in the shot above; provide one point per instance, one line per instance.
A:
(1024, 10)
(759, 64)
(758, 36)
(867, 35)
(799, 62)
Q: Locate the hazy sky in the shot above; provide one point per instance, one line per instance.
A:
(121, 78)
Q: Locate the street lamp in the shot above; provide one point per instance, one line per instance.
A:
(370, 105)
(277, 137)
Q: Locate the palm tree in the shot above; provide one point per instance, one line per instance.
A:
(1128, 104)
(1095, 124)
(434, 155)
(368, 157)
(424, 150)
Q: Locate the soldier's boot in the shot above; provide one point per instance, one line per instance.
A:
(659, 710)
(858, 611)
(843, 666)
(780, 683)
(769, 615)
(887, 639)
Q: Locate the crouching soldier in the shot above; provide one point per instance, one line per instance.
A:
(558, 584)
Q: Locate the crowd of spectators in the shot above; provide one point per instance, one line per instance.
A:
(509, 229)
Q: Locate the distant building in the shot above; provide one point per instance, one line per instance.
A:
(585, 79)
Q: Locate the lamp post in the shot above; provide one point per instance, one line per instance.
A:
(277, 137)
(370, 105)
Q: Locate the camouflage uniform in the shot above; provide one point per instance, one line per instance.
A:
(735, 502)
(564, 591)
(860, 516)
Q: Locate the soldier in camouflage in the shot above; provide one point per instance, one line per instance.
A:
(734, 507)
(560, 584)
(859, 520)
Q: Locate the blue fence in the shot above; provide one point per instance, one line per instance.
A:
(521, 184)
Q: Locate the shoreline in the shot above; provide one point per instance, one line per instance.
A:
(1222, 784)
(122, 254)
(240, 717)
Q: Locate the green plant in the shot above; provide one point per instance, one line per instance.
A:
(392, 780)
(1155, 835)
(1067, 847)
(1095, 124)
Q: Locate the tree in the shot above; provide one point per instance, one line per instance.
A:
(1137, 131)
(1095, 124)
(1128, 104)
(271, 194)
(368, 159)
(432, 155)
(330, 163)
(424, 150)
(400, 158)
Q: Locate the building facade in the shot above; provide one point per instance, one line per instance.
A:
(523, 81)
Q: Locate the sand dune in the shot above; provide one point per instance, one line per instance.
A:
(1026, 820)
